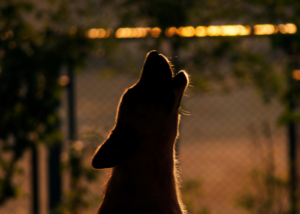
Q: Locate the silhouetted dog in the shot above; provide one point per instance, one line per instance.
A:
(140, 148)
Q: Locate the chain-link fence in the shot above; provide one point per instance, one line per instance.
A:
(230, 145)
(233, 155)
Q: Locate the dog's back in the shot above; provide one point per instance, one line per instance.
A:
(140, 148)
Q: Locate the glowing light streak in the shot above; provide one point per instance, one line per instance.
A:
(200, 31)
(265, 29)
(155, 32)
(229, 30)
(190, 31)
(99, 33)
(133, 32)
(244, 30)
(235, 30)
(171, 31)
(214, 31)
(287, 28)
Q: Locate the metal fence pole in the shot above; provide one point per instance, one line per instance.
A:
(71, 105)
(34, 179)
(292, 161)
(292, 132)
(292, 137)
(71, 120)
(54, 176)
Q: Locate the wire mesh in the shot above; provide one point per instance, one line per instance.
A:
(222, 142)
(228, 148)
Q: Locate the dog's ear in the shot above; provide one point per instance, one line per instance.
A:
(156, 69)
(119, 145)
(180, 81)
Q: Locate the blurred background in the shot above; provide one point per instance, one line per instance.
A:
(65, 64)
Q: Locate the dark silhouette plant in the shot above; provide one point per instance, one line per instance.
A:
(32, 54)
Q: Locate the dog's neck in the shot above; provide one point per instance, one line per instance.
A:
(154, 186)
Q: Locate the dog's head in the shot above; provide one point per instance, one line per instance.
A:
(147, 115)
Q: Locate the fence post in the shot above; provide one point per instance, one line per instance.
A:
(71, 120)
(34, 179)
(54, 176)
(292, 160)
(71, 104)
(294, 169)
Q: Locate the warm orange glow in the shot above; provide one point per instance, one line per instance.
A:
(230, 30)
(188, 31)
(290, 28)
(97, 33)
(235, 30)
(92, 33)
(64, 80)
(265, 29)
(171, 31)
(214, 31)
(223, 30)
(282, 28)
(140, 32)
(101, 33)
(64, 157)
(123, 33)
(155, 32)
(200, 31)
(132, 32)
(296, 74)
(287, 28)
(244, 30)
(78, 145)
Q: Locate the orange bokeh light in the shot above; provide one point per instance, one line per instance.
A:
(155, 32)
(190, 31)
(296, 74)
(132, 32)
(200, 31)
(265, 29)
(64, 80)
(214, 31)
(171, 31)
(287, 28)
